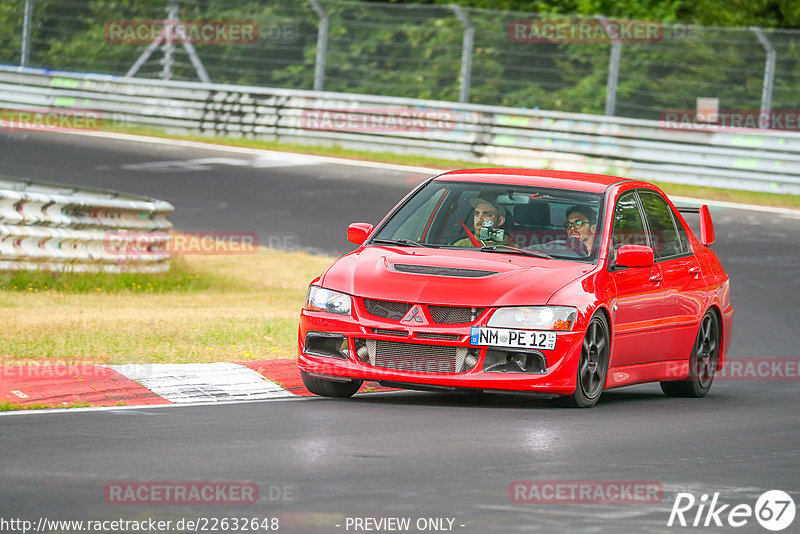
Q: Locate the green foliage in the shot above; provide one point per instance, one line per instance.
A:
(414, 48)
(729, 13)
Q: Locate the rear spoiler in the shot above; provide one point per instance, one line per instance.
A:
(707, 236)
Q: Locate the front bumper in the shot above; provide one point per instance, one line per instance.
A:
(558, 378)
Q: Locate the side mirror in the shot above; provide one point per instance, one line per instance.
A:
(706, 227)
(634, 256)
(357, 233)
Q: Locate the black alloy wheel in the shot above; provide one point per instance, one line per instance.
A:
(593, 365)
(703, 362)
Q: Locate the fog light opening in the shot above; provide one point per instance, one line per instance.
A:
(327, 344)
(500, 361)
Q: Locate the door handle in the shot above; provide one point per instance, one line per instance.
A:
(656, 278)
(694, 271)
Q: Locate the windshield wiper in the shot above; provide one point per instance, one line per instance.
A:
(401, 242)
(506, 248)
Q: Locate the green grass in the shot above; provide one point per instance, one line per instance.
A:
(775, 200)
(12, 406)
(211, 309)
(178, 278)
(316, 150)
(233, 339)
(710, 193)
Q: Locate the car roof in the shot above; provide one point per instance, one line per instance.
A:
(577, 181)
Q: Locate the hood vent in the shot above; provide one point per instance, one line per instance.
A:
(441, 271)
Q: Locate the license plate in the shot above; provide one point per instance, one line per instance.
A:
(518, 339)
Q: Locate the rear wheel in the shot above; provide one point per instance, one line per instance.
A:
(702, 363)
(592, 367)
(330, 388)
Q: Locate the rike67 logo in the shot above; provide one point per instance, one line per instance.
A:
(774, 510)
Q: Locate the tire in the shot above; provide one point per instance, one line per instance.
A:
(592, 366)
(330, 388)
(703, 362)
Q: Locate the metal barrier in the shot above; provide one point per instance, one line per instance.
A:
(755, 160)
(57, 228)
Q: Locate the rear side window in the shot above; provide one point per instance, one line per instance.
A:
(661, 224)
(682, 235)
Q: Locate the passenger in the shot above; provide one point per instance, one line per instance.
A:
(488, 220)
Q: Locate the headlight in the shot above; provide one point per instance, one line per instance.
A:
(319, 299)
(535, 317)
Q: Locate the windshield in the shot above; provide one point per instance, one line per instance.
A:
(496, 217)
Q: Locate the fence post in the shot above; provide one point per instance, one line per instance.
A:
(466, 52)
(769, 78)
(26, 33)
(169, 46)
(613, 70)
(322, 45)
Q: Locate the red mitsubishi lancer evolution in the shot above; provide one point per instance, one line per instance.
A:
(550, 283)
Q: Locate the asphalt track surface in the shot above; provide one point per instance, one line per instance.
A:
(318, 462)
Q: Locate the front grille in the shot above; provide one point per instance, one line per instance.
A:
(414, 357)
(441, 271)
(454, 314)
(387, 309)
(429, 335)
(388, 332)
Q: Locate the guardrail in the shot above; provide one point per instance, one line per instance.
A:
(649, 150)
(58, 228)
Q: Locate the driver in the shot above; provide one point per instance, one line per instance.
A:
(487, 220)
(580, 227)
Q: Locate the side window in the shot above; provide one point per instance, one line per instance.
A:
(682, 234)
(414, 227)
(663, 235)
(628, 227)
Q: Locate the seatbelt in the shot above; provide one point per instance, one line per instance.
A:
(470, 235)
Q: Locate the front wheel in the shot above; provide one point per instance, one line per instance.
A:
(330, 388)
(702, 363)
(593, 365)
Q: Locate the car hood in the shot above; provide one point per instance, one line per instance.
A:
(383, 273)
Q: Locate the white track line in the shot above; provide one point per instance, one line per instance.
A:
(312, 159)
(376, 165)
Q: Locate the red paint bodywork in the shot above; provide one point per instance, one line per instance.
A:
(653, 312)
